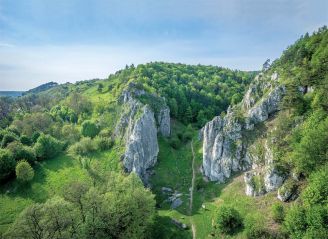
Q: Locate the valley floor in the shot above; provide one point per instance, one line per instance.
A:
(174, 170)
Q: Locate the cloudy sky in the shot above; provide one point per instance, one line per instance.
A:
(70, 40)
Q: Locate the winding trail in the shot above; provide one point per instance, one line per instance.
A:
(193, 227)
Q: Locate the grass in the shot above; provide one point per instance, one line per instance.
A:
(174, 170)
(50, 178)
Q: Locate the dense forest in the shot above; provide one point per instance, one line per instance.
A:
(60, 168)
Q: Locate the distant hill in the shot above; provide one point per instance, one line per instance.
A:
(11, 93)
(41, 88)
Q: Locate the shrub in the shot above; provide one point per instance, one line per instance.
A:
(255, 229)
(19, 151)
(106, 133)
(35, 136)
(47, 147)
(317, 190)
(89, 129)
(175, 142)
(7, 164)
(24, 139)
(228, 220)
(24, 171)
(295, 221)
(8, 138)
(84, 147)
(103, 143)
(70, 133)
(278, 212)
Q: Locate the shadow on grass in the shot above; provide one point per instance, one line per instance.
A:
(165, 229)
(34, 189)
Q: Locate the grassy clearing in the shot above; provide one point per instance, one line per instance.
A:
(174, 170)
(51, 176)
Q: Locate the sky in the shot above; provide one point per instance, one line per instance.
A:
(73, 40)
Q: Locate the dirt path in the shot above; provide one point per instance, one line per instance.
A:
(193, 228)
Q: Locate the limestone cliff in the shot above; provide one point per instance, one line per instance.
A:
(226, 144)
(138, 129)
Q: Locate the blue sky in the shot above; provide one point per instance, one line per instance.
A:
(70, 40)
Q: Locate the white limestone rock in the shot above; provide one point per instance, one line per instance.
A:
(164, 121)
(141, 145)
(225, 150)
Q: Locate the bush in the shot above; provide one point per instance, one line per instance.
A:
(70, 133)
(8, 138)
(24, 139)
(24, 171)
(7, 164)
(278, 212)
(317, 190)
(295, 221)
(35, 136)
(89, 129)
(254, 229)
(175, 142)
(103, 143)
(106, 133)
(47, 147)
(19, 151)
(228, 220)
(84, 147)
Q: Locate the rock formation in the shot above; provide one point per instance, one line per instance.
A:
(225, 149)
(138, 128)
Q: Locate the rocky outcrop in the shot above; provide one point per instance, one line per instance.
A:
(288, 191)
(164, 121)
(138, 129)
(225, 149)
(141, 146)
(254, 184)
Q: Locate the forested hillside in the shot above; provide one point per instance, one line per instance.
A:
(159, 150)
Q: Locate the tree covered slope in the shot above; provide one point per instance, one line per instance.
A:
(75, 158)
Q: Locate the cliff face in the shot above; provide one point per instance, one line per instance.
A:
(138, 128)
(225, 142)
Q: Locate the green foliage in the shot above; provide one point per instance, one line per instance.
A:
(228, 220)
(24, 171)
(83, 148)
(256, 230)
(70, 133)
(278, 212)
(317, 190)
(19, 152)
(79, 103)
(311, 148)
(89, 129)
(8, 137)
(103, 143)
(121, 209)
(33, 122)
(302, 222)
(100, 87)
(295, 221)
(191, 89)
(35, 136)
(64, 113)
(47, 147)
(7, 164)
(24, 139)
(175, 142)
(310, 220)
